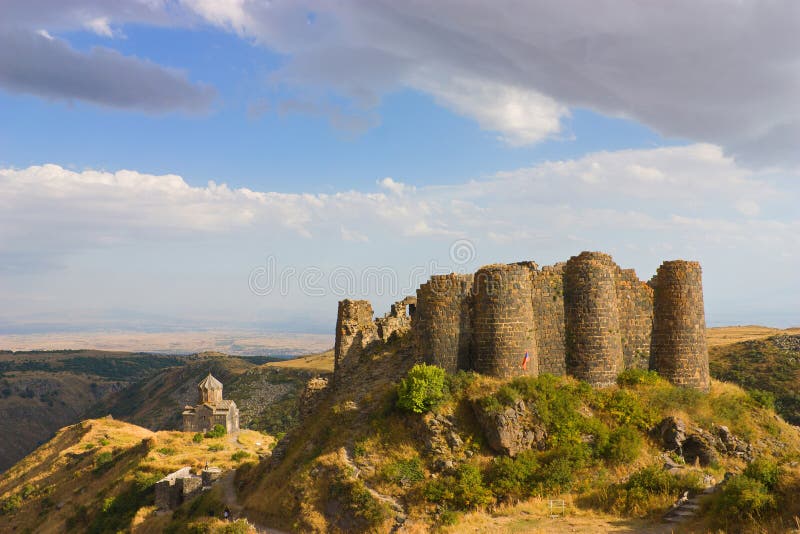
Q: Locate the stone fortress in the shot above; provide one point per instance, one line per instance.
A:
(212, 409)
(587, 318)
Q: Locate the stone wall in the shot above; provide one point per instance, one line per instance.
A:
(548, 316)
(593, 341)
(355, 330)
(586, 317)
(502, 320)
(678, 348)
(635, 305)
(442, 321)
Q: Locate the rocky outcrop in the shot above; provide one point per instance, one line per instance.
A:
(698, 445)
(512, 430)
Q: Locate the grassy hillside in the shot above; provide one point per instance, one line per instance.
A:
(771, 366)
(98, 476)
(43, 391)
(364, 464)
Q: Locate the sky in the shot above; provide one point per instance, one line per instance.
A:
(197, 164)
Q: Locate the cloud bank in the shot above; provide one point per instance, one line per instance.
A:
(718, 71)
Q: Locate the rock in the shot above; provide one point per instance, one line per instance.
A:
(512, 430)
(312, 394)
(697, 448)
(670, 433)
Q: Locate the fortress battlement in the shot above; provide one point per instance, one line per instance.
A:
(586, 317)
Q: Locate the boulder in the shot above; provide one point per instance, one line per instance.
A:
(670, 433)
(512, 430)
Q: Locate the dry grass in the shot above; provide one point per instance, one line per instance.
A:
(733, 334)
(533, 516)
(64, 471)
(322, 362)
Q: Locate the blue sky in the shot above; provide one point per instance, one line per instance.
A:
(378, 136)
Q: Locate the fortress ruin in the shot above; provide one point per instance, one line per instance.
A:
(587, 318)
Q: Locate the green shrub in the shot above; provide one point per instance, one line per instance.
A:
(744, 497)
(10, 504)
(404, 472)
(103, 460)
(765, 471)
(217, 432)
(104, 442)
(167, 451)
(240, 455)
(215, 447)
(513, 477)
(424, 388)
(462, 491)
(197, 438)
(635, 377)
(624, 445)
(628, 409)
(762, 398)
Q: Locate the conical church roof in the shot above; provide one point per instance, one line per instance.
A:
(210, 382)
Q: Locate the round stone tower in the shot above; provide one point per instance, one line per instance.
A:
(210, 390)
(502, 320)
(593, 342)
(441, 322)
(678, 350)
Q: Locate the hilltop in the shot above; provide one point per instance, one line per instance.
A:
(98, 476)
(360, 463)
(43, 391)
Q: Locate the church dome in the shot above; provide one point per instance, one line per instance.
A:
(210, 382)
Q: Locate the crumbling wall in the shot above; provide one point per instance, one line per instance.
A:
(355, 330)
(502, 320)
(593, 342)
(312, 394)
(397, 321)
(635, 304)
(678, 350)
(548, 315)
(441, 323)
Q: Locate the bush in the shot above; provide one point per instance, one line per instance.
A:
(217, 432)
(215, 447)
(624, 445)
(404, 472)
(762, 398)
(635, 377)
(463, 491)
(424, 388)
(745, 497)
(240, 455)
(359, 502)
(765, 471)
(103, 460)
(167, 451)
(197, 438)
(513, 477)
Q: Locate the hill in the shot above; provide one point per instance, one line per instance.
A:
(43, 391)
(98, 476)
(267, 394)
(493, 452)
(770, 366)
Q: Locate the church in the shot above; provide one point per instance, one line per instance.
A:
(212, 409)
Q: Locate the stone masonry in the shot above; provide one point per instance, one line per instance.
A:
(442, 322)
(678, 345)
(586, 317)
(593, 340)
(502, 320)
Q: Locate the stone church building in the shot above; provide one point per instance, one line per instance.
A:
(212, 409)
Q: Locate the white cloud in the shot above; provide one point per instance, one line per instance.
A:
(100, 26)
